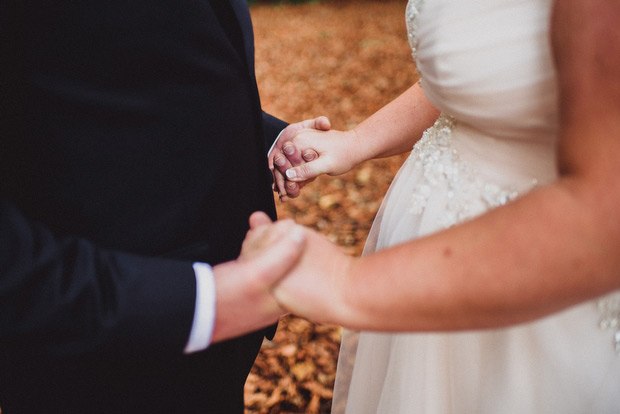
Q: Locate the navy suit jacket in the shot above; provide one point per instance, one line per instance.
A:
(132, 144)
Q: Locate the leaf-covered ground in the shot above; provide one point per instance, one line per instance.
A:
(344, 60)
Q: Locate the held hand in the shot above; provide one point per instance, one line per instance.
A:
(316, 287)
(336, 150)
(264, 233)
(243, 287)
(283, 156)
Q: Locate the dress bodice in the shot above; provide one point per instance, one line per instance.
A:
(488, 64)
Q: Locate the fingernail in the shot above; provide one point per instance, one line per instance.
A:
(279, 161)
(309, 156)
(291, 185)
(289, 149)
(291, 173)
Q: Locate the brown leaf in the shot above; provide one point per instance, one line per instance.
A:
(344, 60)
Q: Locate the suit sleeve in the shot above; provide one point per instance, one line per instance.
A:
(272, 127)
(66, 296)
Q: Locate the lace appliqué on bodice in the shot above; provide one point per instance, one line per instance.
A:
(411, 17)
(441, 165)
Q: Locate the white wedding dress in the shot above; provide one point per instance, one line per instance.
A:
(486, 64)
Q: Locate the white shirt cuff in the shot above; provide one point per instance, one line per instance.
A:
(274, 143)
(204, 312)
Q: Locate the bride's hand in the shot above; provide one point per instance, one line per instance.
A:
(325, 152)
(316, 287)
(283, 156)
(243, 287)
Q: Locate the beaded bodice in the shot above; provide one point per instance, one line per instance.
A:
(491, 75)
(482, 114)
(411, 16)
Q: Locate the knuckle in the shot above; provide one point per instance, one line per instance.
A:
(304, 170)
(309, 155)
(279, 160)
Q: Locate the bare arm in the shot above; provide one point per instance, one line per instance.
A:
(391, 130)
(397, 126)
(553, 248)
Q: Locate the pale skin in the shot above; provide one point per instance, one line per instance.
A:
(552, 248)
(283, 157)
(244, 300)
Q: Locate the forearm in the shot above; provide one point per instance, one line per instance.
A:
(552, 248)
(65, 295)
(549, 250)
(392, 130)
(396, 127)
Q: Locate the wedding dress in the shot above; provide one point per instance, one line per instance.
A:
(487, 65)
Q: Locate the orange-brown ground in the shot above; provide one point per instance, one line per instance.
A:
(343, 60)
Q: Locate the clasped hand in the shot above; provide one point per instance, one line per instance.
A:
(314, 286)
(308, 149)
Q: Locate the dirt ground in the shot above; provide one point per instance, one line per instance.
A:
(346, 61)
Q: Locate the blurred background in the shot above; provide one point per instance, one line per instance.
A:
(343, 59)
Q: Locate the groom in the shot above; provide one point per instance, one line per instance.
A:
(132, 152)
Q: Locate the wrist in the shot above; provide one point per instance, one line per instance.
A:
(348, 309)
(359, 147)
(358, 295)
(354, 151)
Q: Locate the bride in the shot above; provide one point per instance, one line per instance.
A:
(485, 282)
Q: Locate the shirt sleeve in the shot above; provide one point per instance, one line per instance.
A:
(204, 311)
(274, 143)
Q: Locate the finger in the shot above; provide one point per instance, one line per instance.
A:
(322, 123)
(307, 171)
(267, 233)
(292, 189)
(258, 219)
(302, 184)
(280, 182)
(260, 238)
(275, 261)
(309, 155)
(293, 154)
(281, 162)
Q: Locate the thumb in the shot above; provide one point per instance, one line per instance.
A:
(322, 123)
(259, 218)
(308, 171)
(276, 261)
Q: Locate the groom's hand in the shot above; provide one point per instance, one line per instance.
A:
(244, 302)
(333, 152)
(315, 287)
(285, 155)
